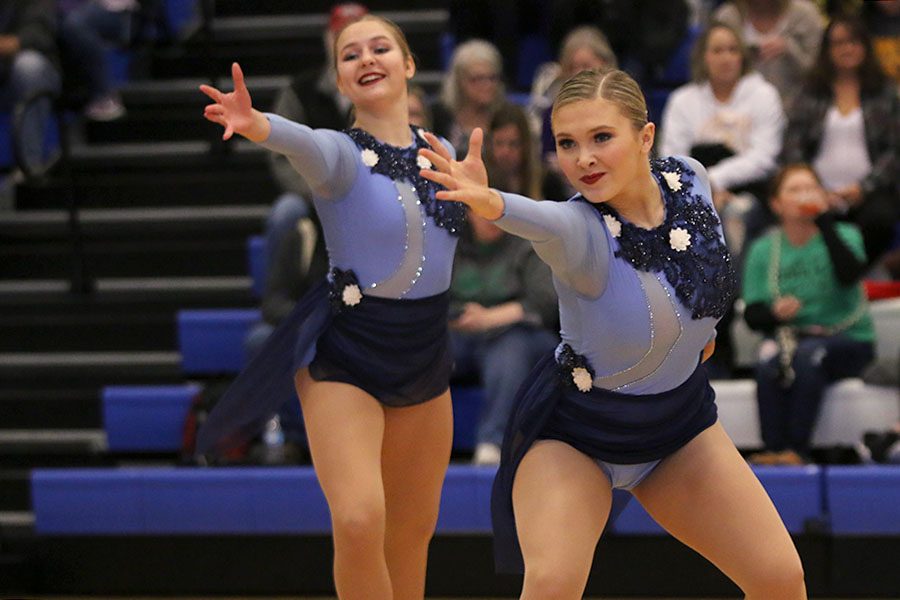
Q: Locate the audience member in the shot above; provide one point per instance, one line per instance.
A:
(643, 34)
(472, 90)
(29, 65)
(802, 289)
(505, 22)
(419, 111)
(846, 124)
(503, 309)
(86, 32)
(730, 119)
(512, 159)
(783, 37)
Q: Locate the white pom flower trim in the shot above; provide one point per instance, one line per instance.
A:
(423, 162)
(672, 180)
(679, 239)
(613, 224)
(351, 296)
(369, 157)
(582, 379)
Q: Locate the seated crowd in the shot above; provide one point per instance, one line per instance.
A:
(792, 107)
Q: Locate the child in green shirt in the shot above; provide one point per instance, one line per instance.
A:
(802, 289)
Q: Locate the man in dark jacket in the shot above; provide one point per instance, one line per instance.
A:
(29, 64)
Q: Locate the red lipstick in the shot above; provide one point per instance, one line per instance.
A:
(592, 178)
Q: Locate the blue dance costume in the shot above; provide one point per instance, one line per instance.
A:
(637, 306)
(380, 321)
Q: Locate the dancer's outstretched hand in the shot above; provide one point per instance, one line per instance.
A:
(466, 180)
(234, 111)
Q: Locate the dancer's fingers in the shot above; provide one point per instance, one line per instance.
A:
(438, 162)
(212, 92)
(476, 140)
(441, 178)
(438, 146)
(238, 76)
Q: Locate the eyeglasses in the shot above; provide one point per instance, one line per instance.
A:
(483, 78)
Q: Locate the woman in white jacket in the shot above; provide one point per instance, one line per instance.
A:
(731, 120)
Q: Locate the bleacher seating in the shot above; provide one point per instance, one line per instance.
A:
(146, 418)
(212, 341)
(849, 409)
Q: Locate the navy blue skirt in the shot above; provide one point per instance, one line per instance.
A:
(605, 425)
(396, 350)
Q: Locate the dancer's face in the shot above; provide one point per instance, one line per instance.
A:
(599, 149)
(371, 66)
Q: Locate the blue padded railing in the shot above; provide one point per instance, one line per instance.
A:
(864, 501)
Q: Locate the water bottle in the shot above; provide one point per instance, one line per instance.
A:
(273, 442)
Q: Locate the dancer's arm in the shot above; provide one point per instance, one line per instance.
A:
(322, 157)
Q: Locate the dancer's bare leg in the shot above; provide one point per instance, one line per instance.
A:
(706, 496)
(415, 454)
(561, 499)
(345, 427)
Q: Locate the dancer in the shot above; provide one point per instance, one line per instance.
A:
(643, 275)
(368, 352)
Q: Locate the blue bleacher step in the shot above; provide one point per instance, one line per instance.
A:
(147, 418)
(212, 341)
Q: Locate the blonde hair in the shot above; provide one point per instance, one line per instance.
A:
(393, 29)
(591, 38)
(464, 56)
(612, 85)
(699, 70)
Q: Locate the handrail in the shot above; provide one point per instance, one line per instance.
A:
(80, 281)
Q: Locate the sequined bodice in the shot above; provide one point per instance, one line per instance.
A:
(687, 248)
(377, 219)
(643, 326)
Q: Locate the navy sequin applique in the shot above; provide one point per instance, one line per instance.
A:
(686, 248)
(343, 289)
(575, 370)
(403, 164)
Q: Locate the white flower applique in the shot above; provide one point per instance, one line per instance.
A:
(369, 157)
(423, 162)
(679, 239)
(672, 180)
(613, 224)
(351, 295)
(582, 379)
